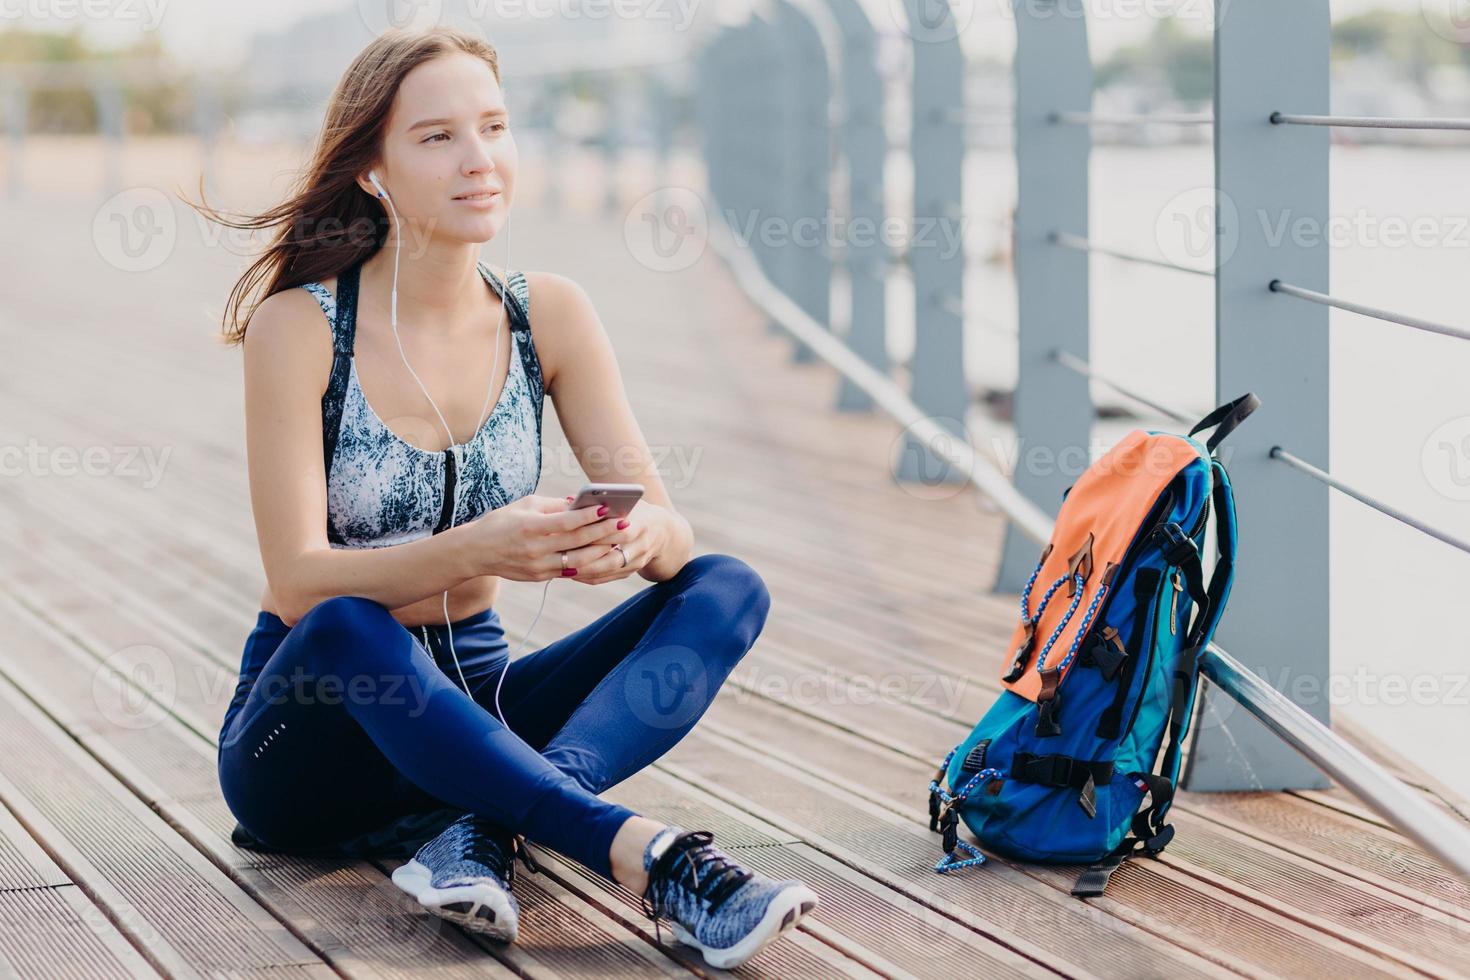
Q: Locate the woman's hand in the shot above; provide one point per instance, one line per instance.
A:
(640, 536)
(522, 541)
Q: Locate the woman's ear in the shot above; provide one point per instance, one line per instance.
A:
(365, 181)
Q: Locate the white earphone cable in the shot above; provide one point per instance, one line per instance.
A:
(454, 444)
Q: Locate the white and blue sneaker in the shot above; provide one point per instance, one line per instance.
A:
(726, 911)
(465, 875)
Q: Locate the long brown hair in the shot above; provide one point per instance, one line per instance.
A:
(329, 223)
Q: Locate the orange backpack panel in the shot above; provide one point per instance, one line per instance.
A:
(1098, 520)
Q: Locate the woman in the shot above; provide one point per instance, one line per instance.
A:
(348, 733)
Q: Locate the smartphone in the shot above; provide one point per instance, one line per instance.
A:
(619, 497)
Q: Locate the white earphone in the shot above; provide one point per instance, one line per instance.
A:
(454, 444)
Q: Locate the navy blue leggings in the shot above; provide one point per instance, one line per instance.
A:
(345, 721)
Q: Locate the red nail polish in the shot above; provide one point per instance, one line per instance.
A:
(602, 510)
(568, 572)
(622, 524)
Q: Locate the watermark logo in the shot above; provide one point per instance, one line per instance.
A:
(380, 16)
(1450, 19)
(135, 230)
(923, 470)
(667, 230)
(1445, 458)
(667, 687)
(1196, 225)
(932, 21)
(134, 685)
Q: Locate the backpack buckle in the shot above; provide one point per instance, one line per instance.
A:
(1175, 545)
(1159, 841)
(1048, 703)
(1023, 653)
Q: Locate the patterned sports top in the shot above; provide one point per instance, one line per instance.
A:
(382, 490)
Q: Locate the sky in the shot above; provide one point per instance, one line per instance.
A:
(215, 32)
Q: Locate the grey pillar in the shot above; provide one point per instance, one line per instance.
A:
(864, 146)
(108, 98)
(806, 198)
(1053, 406)
(937, 382)
(17, 104)
(1277, 622)
(615, 121)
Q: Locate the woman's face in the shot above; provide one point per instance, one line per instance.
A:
(448, 136)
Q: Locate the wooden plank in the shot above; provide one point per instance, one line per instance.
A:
(181, 913)
(48, 925)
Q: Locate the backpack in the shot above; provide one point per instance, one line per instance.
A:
(1103, 661)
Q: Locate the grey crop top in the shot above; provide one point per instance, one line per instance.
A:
(382, 490)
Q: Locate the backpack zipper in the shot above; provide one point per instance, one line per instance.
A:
(1148, 665)
(1174, 602)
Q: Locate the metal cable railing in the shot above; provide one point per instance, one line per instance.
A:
(1133, 119)
(1278, 453)
(1069, 240)
(1369, 122)
(1075, 363)
(1418, 323)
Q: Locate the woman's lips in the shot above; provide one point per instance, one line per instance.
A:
(481, 198)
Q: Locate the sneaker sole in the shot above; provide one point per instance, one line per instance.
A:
(485, 909)
(785, 911)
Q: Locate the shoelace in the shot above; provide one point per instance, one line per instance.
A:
(680, 865)
(485, 846)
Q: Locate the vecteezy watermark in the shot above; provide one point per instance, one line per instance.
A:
(834, 230)
(322, 231)
(1450, 19)
(148, 13)
(1445, 458)
(675, 464)
(302, 688)
(1071, 461)
(135, 230)
(666, 686)
(1205, 222)
(936, 21)
(1364, 229)
(667, 230)
(806, 687)
(37, 459)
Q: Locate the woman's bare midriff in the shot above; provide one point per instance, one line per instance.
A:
(469, 597)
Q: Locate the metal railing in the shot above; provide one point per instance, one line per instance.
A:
(1442, 836)
(1262, 347)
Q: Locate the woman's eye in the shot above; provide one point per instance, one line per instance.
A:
(433, 137)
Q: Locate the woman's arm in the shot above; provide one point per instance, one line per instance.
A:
(583, 380)
(288, 357)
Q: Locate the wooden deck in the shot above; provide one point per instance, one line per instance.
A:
(882, 648)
